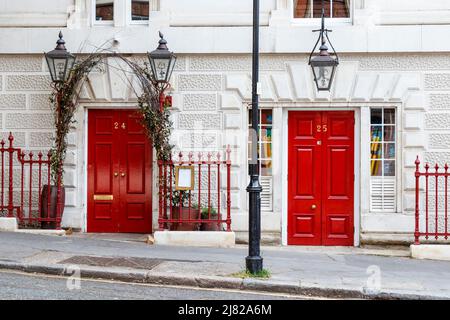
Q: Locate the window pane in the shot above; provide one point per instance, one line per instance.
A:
(376, 168)
(266, 117)
(376, 133)
(104, 10)
(389, 116)
(341, 9)
(266, 167)
(266, 150)
(376, 116)
(139, 10)
(389, 168)
(266, 134)
(389, 151)
(376, 150)
(389, 133)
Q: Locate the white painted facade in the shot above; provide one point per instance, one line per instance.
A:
(393, 54)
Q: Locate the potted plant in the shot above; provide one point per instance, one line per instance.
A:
(180, 210)
(210, 214)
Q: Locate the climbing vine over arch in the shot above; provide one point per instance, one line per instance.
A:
(65, 96)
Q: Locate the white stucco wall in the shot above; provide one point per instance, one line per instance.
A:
(389, 58)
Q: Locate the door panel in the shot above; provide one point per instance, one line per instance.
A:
(102, 155)
(135, 186)
(119, 173)
(338, 185)
(304, 226)
(320, 178)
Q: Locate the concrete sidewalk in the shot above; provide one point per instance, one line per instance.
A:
(323, 272)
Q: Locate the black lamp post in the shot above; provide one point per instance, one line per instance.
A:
(323, 64)
(254, 261)
(162, 63)
(59, 61)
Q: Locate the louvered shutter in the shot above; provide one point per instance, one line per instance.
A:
(382, 194)
(266, 195)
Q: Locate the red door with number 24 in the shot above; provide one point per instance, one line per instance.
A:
(119, 173)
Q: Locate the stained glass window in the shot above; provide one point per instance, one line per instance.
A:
(383, 160)
(265, 141)
(382, 146)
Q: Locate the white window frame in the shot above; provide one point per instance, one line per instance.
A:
(316, 21)
(266, 181)
(397, 159)
(94, 15)
(151, 6)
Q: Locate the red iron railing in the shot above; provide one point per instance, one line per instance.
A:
(23, 178)
(433, 225)
(205, 207)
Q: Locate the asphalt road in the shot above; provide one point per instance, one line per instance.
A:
(20, 286)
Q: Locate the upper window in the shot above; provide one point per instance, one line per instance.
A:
(313, 8)
(104, 10)
(140, 10)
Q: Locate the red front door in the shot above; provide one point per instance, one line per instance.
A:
(321, 178)
(119, 173)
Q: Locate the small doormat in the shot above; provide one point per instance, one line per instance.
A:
(135, 263)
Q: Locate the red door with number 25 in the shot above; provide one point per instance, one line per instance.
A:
(321, 178)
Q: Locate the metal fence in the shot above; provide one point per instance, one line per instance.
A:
(431, 216)
(25, 194)
(207, 205)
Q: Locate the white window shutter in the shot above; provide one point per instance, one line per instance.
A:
(266, 195)
(382, 194)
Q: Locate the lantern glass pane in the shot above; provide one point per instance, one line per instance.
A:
(161, 69)
(59, 65)
(323, 76)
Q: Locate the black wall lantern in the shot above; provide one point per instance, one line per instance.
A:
(59, 61)
(162, 62)
(324, 64)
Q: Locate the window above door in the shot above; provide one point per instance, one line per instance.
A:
(311, 10)
(122, 12)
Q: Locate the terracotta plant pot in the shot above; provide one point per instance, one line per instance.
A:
(211, 226)
(185, 226)
(49, 211)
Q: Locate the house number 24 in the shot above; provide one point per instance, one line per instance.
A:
(116, 126)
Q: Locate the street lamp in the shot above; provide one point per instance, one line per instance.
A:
(324, 64)
(59, 61)
(254, 261)
(162, 63)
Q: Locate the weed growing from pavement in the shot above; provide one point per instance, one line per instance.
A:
(263, 274)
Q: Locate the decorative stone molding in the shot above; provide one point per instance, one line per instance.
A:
(350, 85)
(199, 102)
(27, 83)
(439, 101)
(12, 101)
(437, 81)
(199, 82)
(439, 141)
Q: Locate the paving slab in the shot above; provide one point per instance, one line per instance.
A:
(337, 272)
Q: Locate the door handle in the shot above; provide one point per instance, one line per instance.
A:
(116, 174)
(122, 174)
(314, 207)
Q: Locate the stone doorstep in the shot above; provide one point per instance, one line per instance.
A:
(8, 224)
(431, 251)
(220, 239)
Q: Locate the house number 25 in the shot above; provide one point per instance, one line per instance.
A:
(323, 128)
